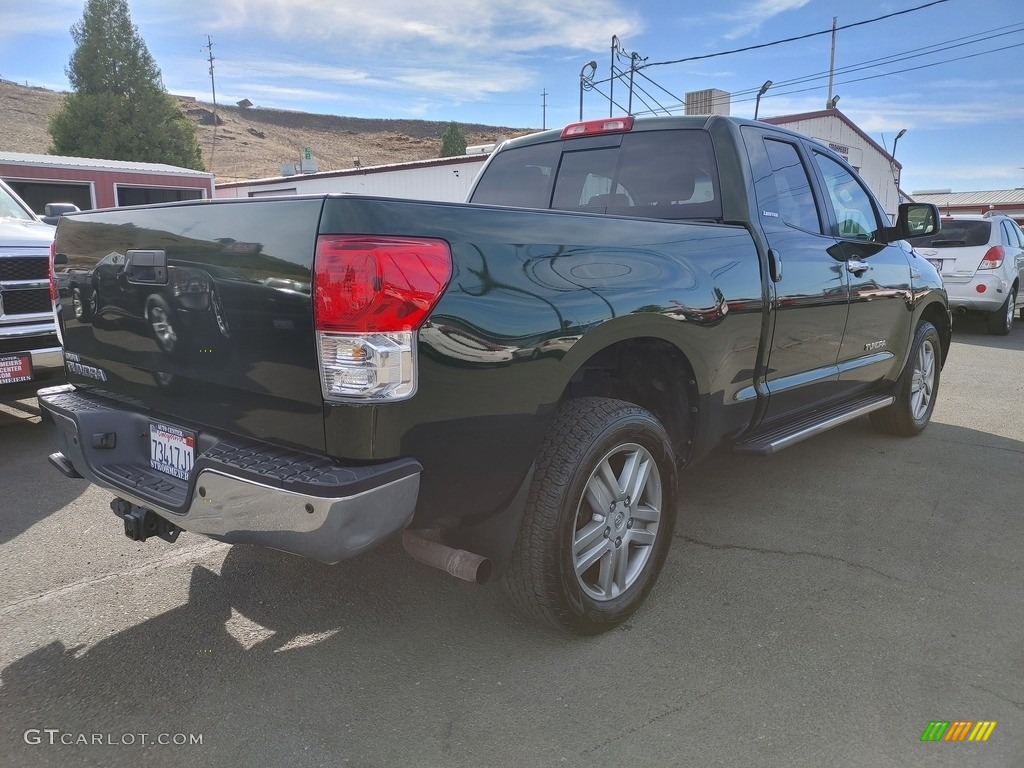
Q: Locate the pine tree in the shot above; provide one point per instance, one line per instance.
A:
(119, 109)
(453, 143)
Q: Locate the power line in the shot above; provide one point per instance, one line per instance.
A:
(828, 31)
(911, 69)
(945, 45)
(914, 53)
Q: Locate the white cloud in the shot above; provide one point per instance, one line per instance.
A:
(996, 176)
(261, 91)
(48, 18)
(753, 15)
(454, 28)
(453, 50)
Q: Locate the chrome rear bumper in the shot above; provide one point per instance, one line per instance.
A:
(296, 502)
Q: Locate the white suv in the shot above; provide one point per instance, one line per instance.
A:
(981, 259)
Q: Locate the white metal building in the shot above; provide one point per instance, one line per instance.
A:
(876, 166)
(446, 179)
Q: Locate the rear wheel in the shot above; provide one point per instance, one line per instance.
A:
(599, 519)
(1001, 321)
(918, 386)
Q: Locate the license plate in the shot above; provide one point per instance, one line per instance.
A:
(171, 450)
(937, 263)
(15, 368)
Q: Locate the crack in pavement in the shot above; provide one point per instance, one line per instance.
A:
(1017, 704)
(653, 720)
(196, 552)
(786, 553)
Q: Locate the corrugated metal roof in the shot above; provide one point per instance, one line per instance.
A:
(989, 197)
(361, 171)
(834, 114)
(122, 166)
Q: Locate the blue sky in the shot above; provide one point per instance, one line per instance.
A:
(951, 74)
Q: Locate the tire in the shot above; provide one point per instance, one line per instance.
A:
(563, 567)
(220, 318)
(917, 387)
(1001, 321)
(161, 321)
(81, 305)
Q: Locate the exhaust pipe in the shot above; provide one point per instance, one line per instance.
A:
(457, 562)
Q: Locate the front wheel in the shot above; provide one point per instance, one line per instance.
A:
(1001, 321)
(918, 386)
(82, 305)
(161, 320)
(599, 518)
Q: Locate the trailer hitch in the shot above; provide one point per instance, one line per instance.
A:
(141, 523)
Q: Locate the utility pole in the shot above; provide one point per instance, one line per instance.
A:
(213, 88)
(611, 77)
(832, 65)
(544, 110)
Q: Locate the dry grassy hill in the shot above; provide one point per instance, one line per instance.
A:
(252, 143)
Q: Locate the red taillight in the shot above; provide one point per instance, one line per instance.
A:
(371, 284)
(595, 127)
(993, 258)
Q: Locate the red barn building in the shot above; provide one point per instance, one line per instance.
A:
(90, 183)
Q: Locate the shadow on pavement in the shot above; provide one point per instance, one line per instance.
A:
(279, 660)
(970, 329)
(30, 489)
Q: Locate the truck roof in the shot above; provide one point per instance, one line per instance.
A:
(694, 122)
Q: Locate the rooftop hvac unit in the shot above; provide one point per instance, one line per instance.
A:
(708, 102)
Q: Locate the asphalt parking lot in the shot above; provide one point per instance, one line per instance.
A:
(818, 608)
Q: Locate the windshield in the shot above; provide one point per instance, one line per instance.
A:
(10, 208)
(956, 233)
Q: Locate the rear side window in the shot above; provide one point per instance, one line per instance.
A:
(956, 233)
(519, 177)
(653, 174)
(1010, 235)
(787, 191)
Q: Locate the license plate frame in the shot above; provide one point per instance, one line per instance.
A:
(171, 450)
(16, 374)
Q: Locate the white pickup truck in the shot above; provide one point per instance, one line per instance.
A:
(30, 349)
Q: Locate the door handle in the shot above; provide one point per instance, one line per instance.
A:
(774, 265)
(857, 267)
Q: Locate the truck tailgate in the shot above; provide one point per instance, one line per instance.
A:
(201, 314)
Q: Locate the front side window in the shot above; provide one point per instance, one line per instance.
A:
(855, 214)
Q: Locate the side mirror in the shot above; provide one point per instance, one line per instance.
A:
(60, 259)
(914, 220)
(53, 211)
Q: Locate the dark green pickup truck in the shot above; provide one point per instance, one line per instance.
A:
(512, 384)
